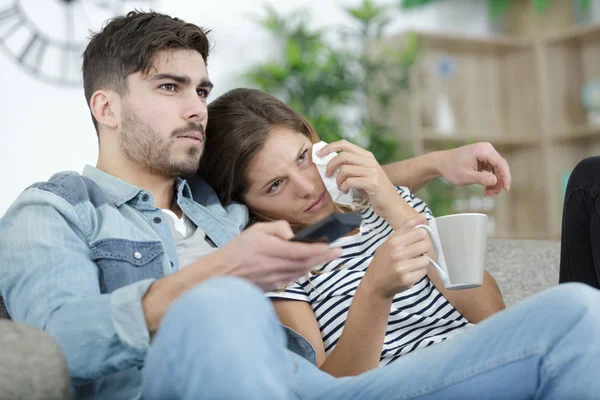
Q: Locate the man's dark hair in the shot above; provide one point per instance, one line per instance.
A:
(127, 44)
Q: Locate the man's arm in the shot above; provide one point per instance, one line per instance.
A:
(478, 163)
(49, 280)
(262, 255)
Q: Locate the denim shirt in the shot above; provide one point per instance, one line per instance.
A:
(78, 253)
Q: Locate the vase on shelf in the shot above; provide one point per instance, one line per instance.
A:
(445, 124)
(444, 70)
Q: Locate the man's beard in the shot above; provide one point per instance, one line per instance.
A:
(145, 147)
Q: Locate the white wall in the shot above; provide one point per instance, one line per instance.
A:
(46, 128)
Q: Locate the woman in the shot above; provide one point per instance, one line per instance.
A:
(381, 299)
(580, 238)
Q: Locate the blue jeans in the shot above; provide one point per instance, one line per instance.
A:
(222, 340)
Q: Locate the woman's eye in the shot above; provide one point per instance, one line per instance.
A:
(274, 186)
(302, 157)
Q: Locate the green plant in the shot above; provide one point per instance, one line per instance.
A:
(497, 7)
(332, 76)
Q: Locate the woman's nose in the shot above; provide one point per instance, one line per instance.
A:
(305, 187)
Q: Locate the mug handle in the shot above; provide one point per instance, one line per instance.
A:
(442, 271)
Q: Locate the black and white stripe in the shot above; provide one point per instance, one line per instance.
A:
(420, 316)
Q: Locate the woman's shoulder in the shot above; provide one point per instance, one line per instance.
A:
(415, 202)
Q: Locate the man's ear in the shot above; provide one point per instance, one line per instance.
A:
(105, 108)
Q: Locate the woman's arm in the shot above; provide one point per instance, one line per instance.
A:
(474, 304)
(397, 265)
(359, 347)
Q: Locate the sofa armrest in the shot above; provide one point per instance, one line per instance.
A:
(32, 366)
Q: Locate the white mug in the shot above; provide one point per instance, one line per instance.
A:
(460, 243)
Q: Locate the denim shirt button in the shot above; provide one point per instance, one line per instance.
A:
(137, 255)
(241, 228)
(145, 197)
(157, 220)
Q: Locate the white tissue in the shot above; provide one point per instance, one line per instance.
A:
(337, 195)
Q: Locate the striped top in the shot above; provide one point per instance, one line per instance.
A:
(419, 316)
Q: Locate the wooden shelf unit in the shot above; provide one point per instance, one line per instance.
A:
(521, 95)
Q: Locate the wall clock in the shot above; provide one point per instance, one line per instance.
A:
(47, 37)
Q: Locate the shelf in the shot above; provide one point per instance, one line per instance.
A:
(431, 138)
(575, 35)
(470, 43)
(582, 132)
(524, 97)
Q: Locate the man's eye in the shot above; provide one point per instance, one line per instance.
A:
(202, 93)
(274, 186)
(168, 87)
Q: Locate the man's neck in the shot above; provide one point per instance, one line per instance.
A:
(162, 187)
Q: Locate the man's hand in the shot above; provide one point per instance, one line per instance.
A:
(477, 163)
(261, 254)
(264, 255)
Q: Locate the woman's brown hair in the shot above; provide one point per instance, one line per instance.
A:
(239, 123)
(238, 126)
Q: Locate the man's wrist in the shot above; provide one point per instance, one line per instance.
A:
(435, 161)
(163, 292)
(159, 297)
(151, 314)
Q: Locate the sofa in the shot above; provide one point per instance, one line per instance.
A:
(523, 267)
(33, 367)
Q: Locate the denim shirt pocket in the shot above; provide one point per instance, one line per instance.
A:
(123, 262)
(299, 345)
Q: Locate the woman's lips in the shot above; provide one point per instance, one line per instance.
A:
(317, 204)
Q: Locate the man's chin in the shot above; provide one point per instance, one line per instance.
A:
(186, 169)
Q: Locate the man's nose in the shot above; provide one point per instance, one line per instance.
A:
(195, 108)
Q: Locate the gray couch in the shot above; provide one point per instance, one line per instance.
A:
(523, 267)
(32, 366)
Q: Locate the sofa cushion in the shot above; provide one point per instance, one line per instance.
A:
(523, 267)
(32, 366)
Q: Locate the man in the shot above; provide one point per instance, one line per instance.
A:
(92, 259)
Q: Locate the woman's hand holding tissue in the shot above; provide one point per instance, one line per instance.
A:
(358, 169)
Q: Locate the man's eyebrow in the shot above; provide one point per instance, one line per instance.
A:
(183, 79)
(205, 83)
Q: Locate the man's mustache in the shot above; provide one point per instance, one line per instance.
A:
(190, 127)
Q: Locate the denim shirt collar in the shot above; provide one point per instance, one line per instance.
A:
(195, 197)
(120, 192)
